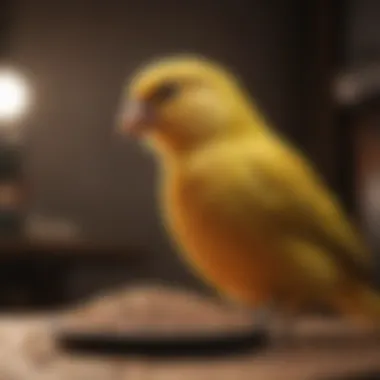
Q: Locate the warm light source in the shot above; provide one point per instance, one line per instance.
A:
(14, 95)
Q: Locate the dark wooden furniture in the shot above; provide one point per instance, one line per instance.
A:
(36, 275)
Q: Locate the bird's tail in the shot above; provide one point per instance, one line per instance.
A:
(361, 303)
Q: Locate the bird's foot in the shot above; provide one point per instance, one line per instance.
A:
(284, 334)
(280, 327)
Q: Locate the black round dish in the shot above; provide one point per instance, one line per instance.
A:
(171, 346)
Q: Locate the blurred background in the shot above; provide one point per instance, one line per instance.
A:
(77, 204)
(79, 185)
(83, 187)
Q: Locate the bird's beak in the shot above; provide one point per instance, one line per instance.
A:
(136, 118)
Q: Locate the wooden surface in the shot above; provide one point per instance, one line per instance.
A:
(320, 349)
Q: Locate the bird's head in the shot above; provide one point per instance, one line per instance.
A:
(180, 102)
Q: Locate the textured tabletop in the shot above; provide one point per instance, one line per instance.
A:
(321, 348)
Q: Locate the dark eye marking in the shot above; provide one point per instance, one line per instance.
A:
(165, 91)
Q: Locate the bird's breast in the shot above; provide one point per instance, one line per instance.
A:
(206, 223)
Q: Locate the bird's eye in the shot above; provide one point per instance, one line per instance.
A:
(165, 92)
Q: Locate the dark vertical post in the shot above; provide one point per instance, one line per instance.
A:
(322, 47)
(324, 19)
(343, 120)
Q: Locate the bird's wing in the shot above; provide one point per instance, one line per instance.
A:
(290, 192)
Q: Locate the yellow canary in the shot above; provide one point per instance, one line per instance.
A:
(246, 209)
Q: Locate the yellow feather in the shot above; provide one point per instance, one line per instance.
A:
(246, 209)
